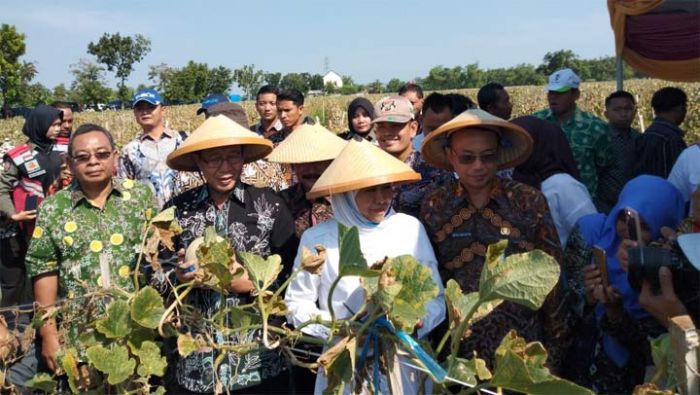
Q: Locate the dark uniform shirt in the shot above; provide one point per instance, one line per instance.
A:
(461, 234)
(254, 220)
(623, 145)
(658, 148)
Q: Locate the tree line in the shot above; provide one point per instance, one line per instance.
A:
(190, 83)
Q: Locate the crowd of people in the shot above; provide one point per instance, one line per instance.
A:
(438, 177)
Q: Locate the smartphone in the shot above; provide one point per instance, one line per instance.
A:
(634, 227)
(31, 202)
(601, 261)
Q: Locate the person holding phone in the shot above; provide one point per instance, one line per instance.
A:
(28, 171)
(616, 327)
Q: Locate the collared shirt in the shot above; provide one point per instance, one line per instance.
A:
(658, 148)
(90, 247)
(273, 129)
(306, 213)
(590, 144)
(254, 220)
(461, 234)
(265, 174)
(409, 196)
(623, 146)
(143, 159)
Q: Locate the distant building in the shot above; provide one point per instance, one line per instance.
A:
(333, 78)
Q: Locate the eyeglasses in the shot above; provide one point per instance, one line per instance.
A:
(85, 157)
(468, 159)
(215, 163)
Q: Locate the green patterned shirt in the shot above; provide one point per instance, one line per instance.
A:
(88, 246)
(590, 143)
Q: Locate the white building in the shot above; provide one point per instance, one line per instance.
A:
(333, 78)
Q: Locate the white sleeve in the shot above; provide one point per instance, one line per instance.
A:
(436, 307)
(303, 293)
(680, 175)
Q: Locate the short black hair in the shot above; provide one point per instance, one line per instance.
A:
(265, 89)
(456, 103)
(619, 95)
(61, 105)
(88, 128)
(668, 98)
(488, 94)
(411, 87)
(293, 95)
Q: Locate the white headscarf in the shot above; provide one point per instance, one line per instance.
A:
(346, 212)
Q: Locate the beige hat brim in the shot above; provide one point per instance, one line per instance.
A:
(306, 144)
(518, 148)
(361, 165)
(216, 132)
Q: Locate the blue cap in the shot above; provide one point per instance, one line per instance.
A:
(212, 99)
(148, 95)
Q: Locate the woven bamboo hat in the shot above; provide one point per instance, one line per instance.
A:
(218, 131)
(360, 165)
(308, 143)
(515, 144)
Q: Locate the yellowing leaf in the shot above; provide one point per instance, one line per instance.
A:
(520, 367)
(525, 279)
(116, 324)
(114, 362)
(147, 308)
(313, 263)
(151, 363)
(417, 289)
(186, 345)
(262, 272)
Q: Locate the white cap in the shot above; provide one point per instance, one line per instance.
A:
(563, 81)
(690, 244)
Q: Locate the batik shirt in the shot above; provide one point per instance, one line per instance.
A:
(143, 159)
(409, 197)
(590, 143)
(306, 213)
(88, 246)
(461, 234)
(623, 145)
(254, 220)
(265, 174)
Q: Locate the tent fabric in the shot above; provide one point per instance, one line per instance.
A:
(657, 37)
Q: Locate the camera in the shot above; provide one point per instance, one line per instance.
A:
(645, 262)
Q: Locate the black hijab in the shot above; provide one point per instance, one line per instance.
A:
(37, 124)
(359, 102)
(35, 127)
(551, 153)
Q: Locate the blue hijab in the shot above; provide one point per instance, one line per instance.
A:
(659, 204)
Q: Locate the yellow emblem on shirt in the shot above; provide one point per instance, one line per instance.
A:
(38, 232)
(95, 246)
(70, 227)
(116, 239)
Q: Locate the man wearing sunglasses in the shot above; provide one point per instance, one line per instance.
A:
(467, 215)
(395, 127)
(86, 235)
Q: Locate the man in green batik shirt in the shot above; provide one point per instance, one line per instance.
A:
(87, 236)
(587, 134)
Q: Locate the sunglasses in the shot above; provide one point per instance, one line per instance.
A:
(100, 156)
(468, 159)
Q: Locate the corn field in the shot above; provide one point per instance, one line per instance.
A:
(331, 111)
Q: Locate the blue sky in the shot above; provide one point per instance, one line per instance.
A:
(365, 39)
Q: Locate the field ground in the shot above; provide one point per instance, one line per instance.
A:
(332, 110)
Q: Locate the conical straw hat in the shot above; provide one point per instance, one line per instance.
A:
(361, 165)
(308, 143)
(515, 143)
(218, 131)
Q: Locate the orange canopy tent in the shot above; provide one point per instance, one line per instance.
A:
(660, 38)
